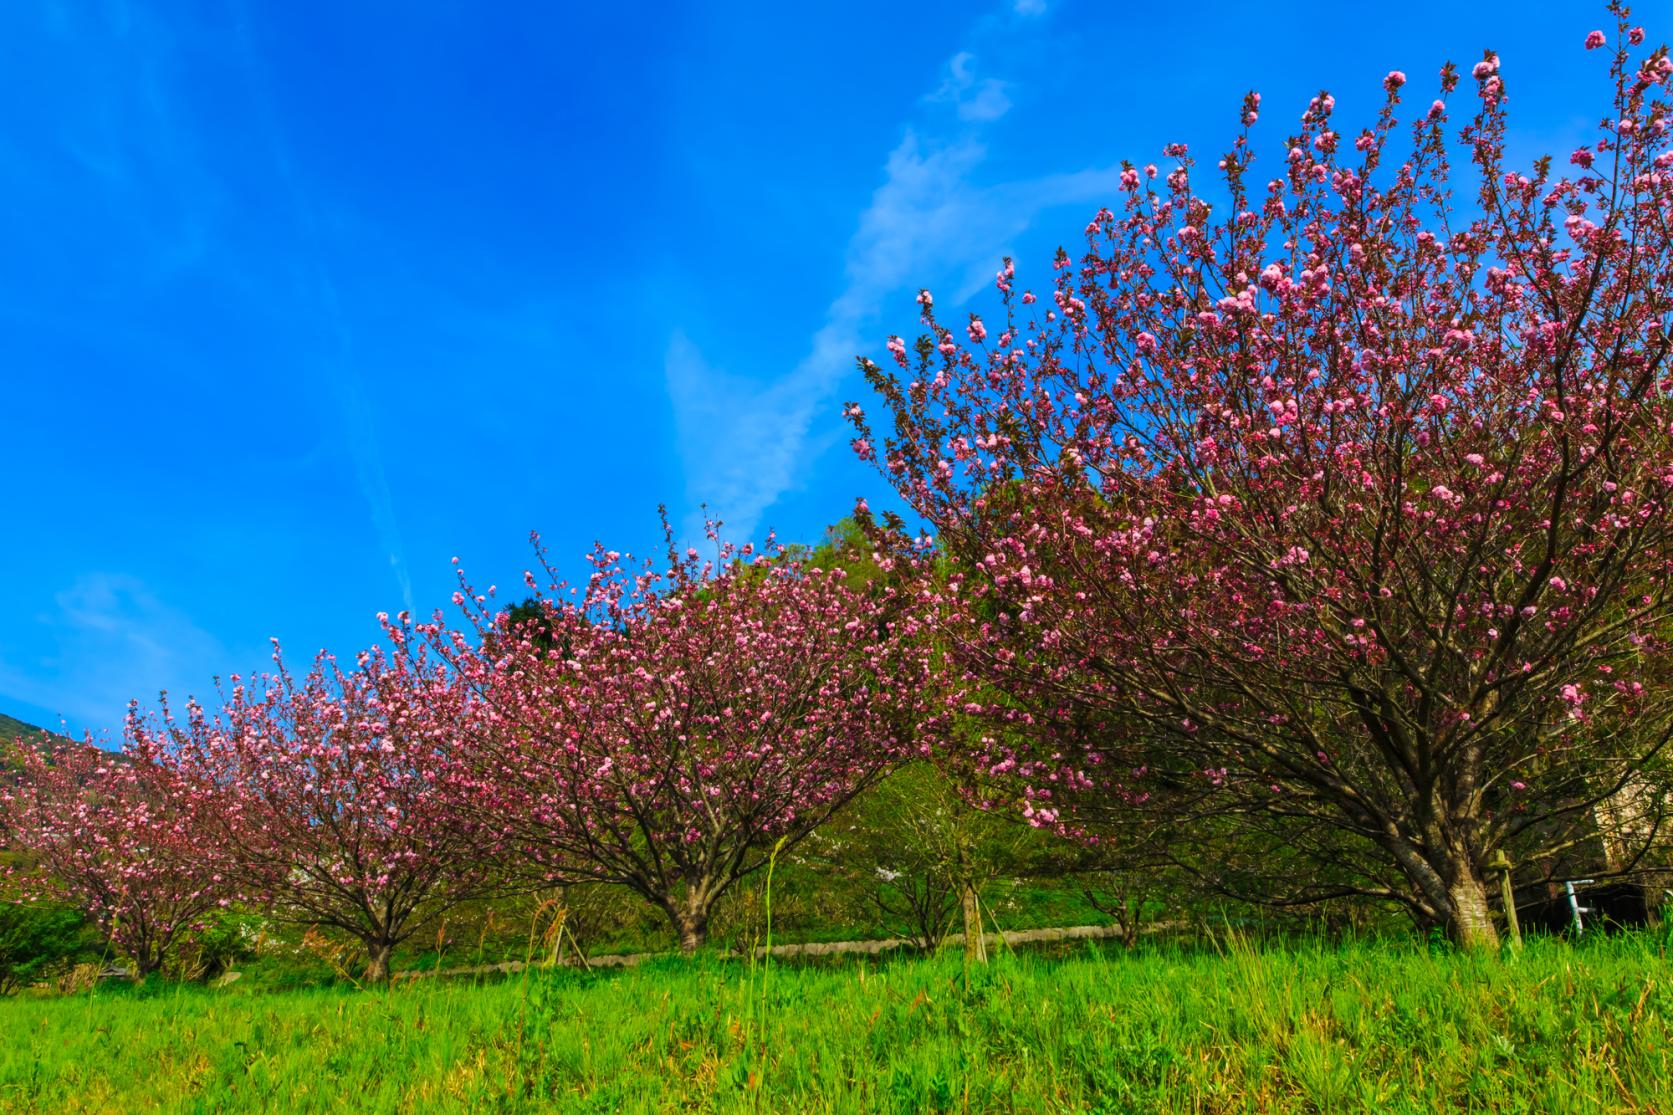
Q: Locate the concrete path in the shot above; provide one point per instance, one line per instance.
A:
(811, 948)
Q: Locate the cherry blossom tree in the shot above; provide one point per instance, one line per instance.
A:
(121, 835)
(1325, 508)
(666, 730)
(332, 793)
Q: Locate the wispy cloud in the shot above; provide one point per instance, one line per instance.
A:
(745, 442)
(106, 634)
(359, 423)
(97, 126)
(120, 110)
(114, 124)
(360, 428)
(977, 100)
(740, 440)
(1029, 7)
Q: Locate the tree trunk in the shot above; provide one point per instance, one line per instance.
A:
(691, 922)
(377, 961)
(1446, 873)
(693, 930)
(1132, 912)
(1470, 921)
(147, 960)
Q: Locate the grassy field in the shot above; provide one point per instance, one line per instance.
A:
(1238, 1028)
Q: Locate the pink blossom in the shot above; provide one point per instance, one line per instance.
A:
(696, 715)
(1433, 400)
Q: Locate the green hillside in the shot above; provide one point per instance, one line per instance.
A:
(11, 728)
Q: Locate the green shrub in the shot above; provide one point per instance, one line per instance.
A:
(226, 938)
(38, 941)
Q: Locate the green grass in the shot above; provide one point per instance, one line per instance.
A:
(1359, 1027)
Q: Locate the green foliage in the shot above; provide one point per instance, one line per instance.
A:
(38, 941)
(528, 618)
(829, 888)
(226, 938)
(913, 844)
(1245, 1028)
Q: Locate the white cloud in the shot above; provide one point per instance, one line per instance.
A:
(977, 100)
(923, 204)
(740, 440)
(107, 633)
(745, 442)
(1029, 7)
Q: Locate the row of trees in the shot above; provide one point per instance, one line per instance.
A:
(1311, 538)
(663, 730)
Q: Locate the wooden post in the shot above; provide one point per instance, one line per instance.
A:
(1501, 863)
(975, 949)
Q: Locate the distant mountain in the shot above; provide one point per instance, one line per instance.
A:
(13, 729)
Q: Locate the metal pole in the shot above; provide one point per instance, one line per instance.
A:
(1575, 907)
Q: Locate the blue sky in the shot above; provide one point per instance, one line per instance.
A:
(299, 300)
